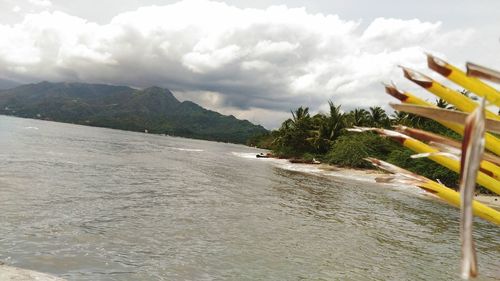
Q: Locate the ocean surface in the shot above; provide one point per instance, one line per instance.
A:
(89, 203)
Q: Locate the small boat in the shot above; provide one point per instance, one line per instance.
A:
(262, 155)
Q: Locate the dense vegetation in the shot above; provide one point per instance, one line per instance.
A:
(153, 109)
(324, 137)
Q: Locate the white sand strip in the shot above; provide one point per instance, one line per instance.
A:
(8, 273)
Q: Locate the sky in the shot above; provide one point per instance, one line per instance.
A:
(257, 59)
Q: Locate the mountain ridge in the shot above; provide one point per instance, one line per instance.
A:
(8, 84)
(153, 109)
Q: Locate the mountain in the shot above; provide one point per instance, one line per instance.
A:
(7, 84)
(153, 109)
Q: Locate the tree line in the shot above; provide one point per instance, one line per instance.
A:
(324, 137)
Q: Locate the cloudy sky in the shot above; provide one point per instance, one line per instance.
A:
(253, 59)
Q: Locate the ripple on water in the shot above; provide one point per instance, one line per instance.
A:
(98, 204)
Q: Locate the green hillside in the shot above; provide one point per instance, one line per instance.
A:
(153, 109)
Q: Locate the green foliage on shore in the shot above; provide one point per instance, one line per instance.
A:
(350, 149)
(324, 137)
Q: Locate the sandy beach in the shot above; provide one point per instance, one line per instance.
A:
(361, 175)
(9, 273)
(490, 200)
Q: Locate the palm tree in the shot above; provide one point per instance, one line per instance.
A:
(328, 128)
(301, 114)
(406, 119)
(292, 137)
(378, 117)
(443, 104)
(358, 117)
(335, 123)
(317, 135)
(400, 118)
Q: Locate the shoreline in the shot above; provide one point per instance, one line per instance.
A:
(19, 274)
(492, 201)
(323, 169)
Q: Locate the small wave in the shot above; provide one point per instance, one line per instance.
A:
(187, 149)
(407, 188)
(245, 154)
(304, 168)
(31, 128)
(353, 175)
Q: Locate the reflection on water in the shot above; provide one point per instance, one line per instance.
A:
(98, 204)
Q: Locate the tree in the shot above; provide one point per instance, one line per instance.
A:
(301, 114)
(378, 117)
(293, 138)
(358, 117)
(335, 123)
(328, 128)
(443, 104)
(407, 119)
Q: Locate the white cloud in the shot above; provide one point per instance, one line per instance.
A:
(206, 61)
(41, 3)
(16, 9)
(208, 99)
(251, 61)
